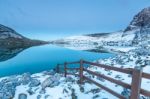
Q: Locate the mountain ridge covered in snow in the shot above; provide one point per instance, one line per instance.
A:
(137, 32)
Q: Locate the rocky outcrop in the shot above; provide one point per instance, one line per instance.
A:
(140, 27)
(51, 81)
(22, 96)
(6, 32)
(137, 33)
(142, 19)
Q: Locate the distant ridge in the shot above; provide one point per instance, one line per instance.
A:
(98, 34)
(136, 33)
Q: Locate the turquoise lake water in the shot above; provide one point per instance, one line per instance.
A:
(40, 58)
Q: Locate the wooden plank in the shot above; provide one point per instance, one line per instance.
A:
(146, 75)
(72, 74)
(81, 71)
(65, 69)
(145, 92)
(127, 71)
(109, 79)
(77, 62)
(105, 88)
(136, 83)
(73, 68)
(57, 68)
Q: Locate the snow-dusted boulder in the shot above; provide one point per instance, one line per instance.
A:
(50, 72)
(26, 78)
(22, 96)
(51, 81)
(34, 83)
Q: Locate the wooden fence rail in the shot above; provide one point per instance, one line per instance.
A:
(135, 86)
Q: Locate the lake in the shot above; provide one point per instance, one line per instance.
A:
(40, 58)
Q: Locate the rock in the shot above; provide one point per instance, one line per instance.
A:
(51, 81)
(118, 76)
(69, 79)
(100, 78)
(126, 93)
(65, 91)
(34, 83)
(142, 19)
(46, 83)
(73, 94)
(39, 97)
(55, 83)
(22, 96)
(30, 91)
(94, 91)
(42, 91)
(46, 96)
(82, 89)
(6, 32)
(50, 72)
(96, 97)
(26, 78)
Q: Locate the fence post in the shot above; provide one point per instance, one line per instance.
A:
(136, 83)
(81, 71)
(65, 69)
(57, 68)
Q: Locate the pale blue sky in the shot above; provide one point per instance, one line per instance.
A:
(51, 19)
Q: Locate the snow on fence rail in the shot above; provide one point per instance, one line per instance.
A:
(135, 86)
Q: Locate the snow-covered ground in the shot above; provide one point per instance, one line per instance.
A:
(50, 85)
(47, 85)
(109, 42)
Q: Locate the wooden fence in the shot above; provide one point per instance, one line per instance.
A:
(135, 85)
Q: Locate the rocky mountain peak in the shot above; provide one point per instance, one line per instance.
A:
(6, 32)
(142, 19)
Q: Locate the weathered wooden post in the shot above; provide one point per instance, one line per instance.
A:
(57, 68)
(65, 69)
(136, 83)
(81, 71)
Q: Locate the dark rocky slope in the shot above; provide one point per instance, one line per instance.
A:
(10, 39)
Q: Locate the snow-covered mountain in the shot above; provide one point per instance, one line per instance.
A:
(10, 39)
(142, 19)
(6, 32)
(136, 33)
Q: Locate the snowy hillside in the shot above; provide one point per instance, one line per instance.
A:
(142, 19)
(86, 42)
(137, 33)
(6, 32)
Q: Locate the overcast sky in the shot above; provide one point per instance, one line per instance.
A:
(52, 19)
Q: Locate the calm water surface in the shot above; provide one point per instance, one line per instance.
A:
(40, 58)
